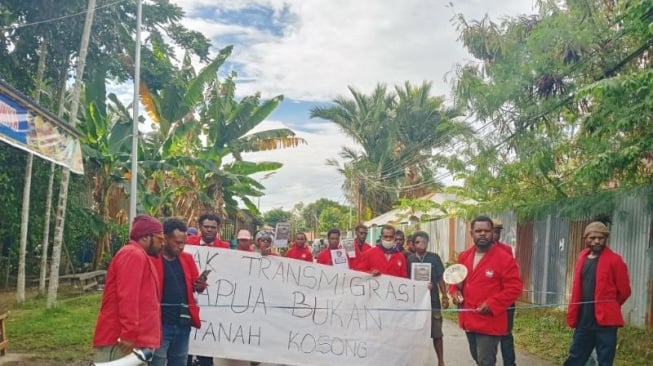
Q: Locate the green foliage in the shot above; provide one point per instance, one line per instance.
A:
(336, 216)
(277, 215)
(564, 97)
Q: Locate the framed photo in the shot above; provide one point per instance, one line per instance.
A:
(421, 272)
(281, 235)
(348, 245)
(339, 258)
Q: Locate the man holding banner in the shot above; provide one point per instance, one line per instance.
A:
(492, 284)
(385, 258)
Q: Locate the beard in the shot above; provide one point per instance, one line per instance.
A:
(483, 243)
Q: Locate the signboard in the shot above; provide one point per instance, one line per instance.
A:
(35, 133)
(278, 310)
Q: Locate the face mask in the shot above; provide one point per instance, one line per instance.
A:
(388, 244)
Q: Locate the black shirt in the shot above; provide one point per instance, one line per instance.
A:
(437, 270)
(174, 304)
(587, 319)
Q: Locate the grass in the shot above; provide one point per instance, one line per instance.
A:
(64, 334)
(545, 334)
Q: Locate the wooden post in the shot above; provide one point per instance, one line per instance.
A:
(4, 341)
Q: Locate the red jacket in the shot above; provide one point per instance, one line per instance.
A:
(190, 275)
(507, 248)
(375, 259)
(495, 281)
(324, 257)
(217, 242)
(303, 254)
(131, 308)
(611, 291)
(359, 252)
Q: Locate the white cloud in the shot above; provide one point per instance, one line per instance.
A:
(335, 43)
(304, 176)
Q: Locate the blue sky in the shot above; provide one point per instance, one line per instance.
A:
(312, 50)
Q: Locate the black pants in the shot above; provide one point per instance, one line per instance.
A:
(507, 341)
(200, 360)
(483, 348)
(603, 339)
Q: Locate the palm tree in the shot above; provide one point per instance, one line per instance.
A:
(401, 134)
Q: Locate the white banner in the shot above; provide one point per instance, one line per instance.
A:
(279, 310)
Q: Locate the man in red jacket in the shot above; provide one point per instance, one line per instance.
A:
(360, 245)
(600, 286)
(179, 310)
(130, 316)
(385, 258)
(491, 286)
(299, 249)
(209, 232)
(333, 239)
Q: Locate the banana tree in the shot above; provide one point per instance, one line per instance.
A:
(205, 125)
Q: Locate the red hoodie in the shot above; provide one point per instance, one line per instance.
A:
(303, 254)
(217, 242)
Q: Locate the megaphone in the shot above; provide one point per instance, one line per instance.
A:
(135, 358)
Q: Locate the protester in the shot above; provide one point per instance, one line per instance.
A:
(410, 246)
(333, 242)
(299, 249)
(600, 287)
(400, 240)
(360, 245)
(130, 316)
(179, 310)
(385, 258)
(507, 343)
(491, 286)
(209, 232)
(436, 286)
(263, 242)
(244, 241)
(209, 236)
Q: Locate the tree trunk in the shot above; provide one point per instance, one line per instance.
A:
(65, 173)
(24, 222)
(48, 204)
(46, 232)
(22, 256)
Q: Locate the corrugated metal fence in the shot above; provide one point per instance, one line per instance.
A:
(547, 249)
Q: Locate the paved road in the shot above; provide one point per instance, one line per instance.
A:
(456, 351)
